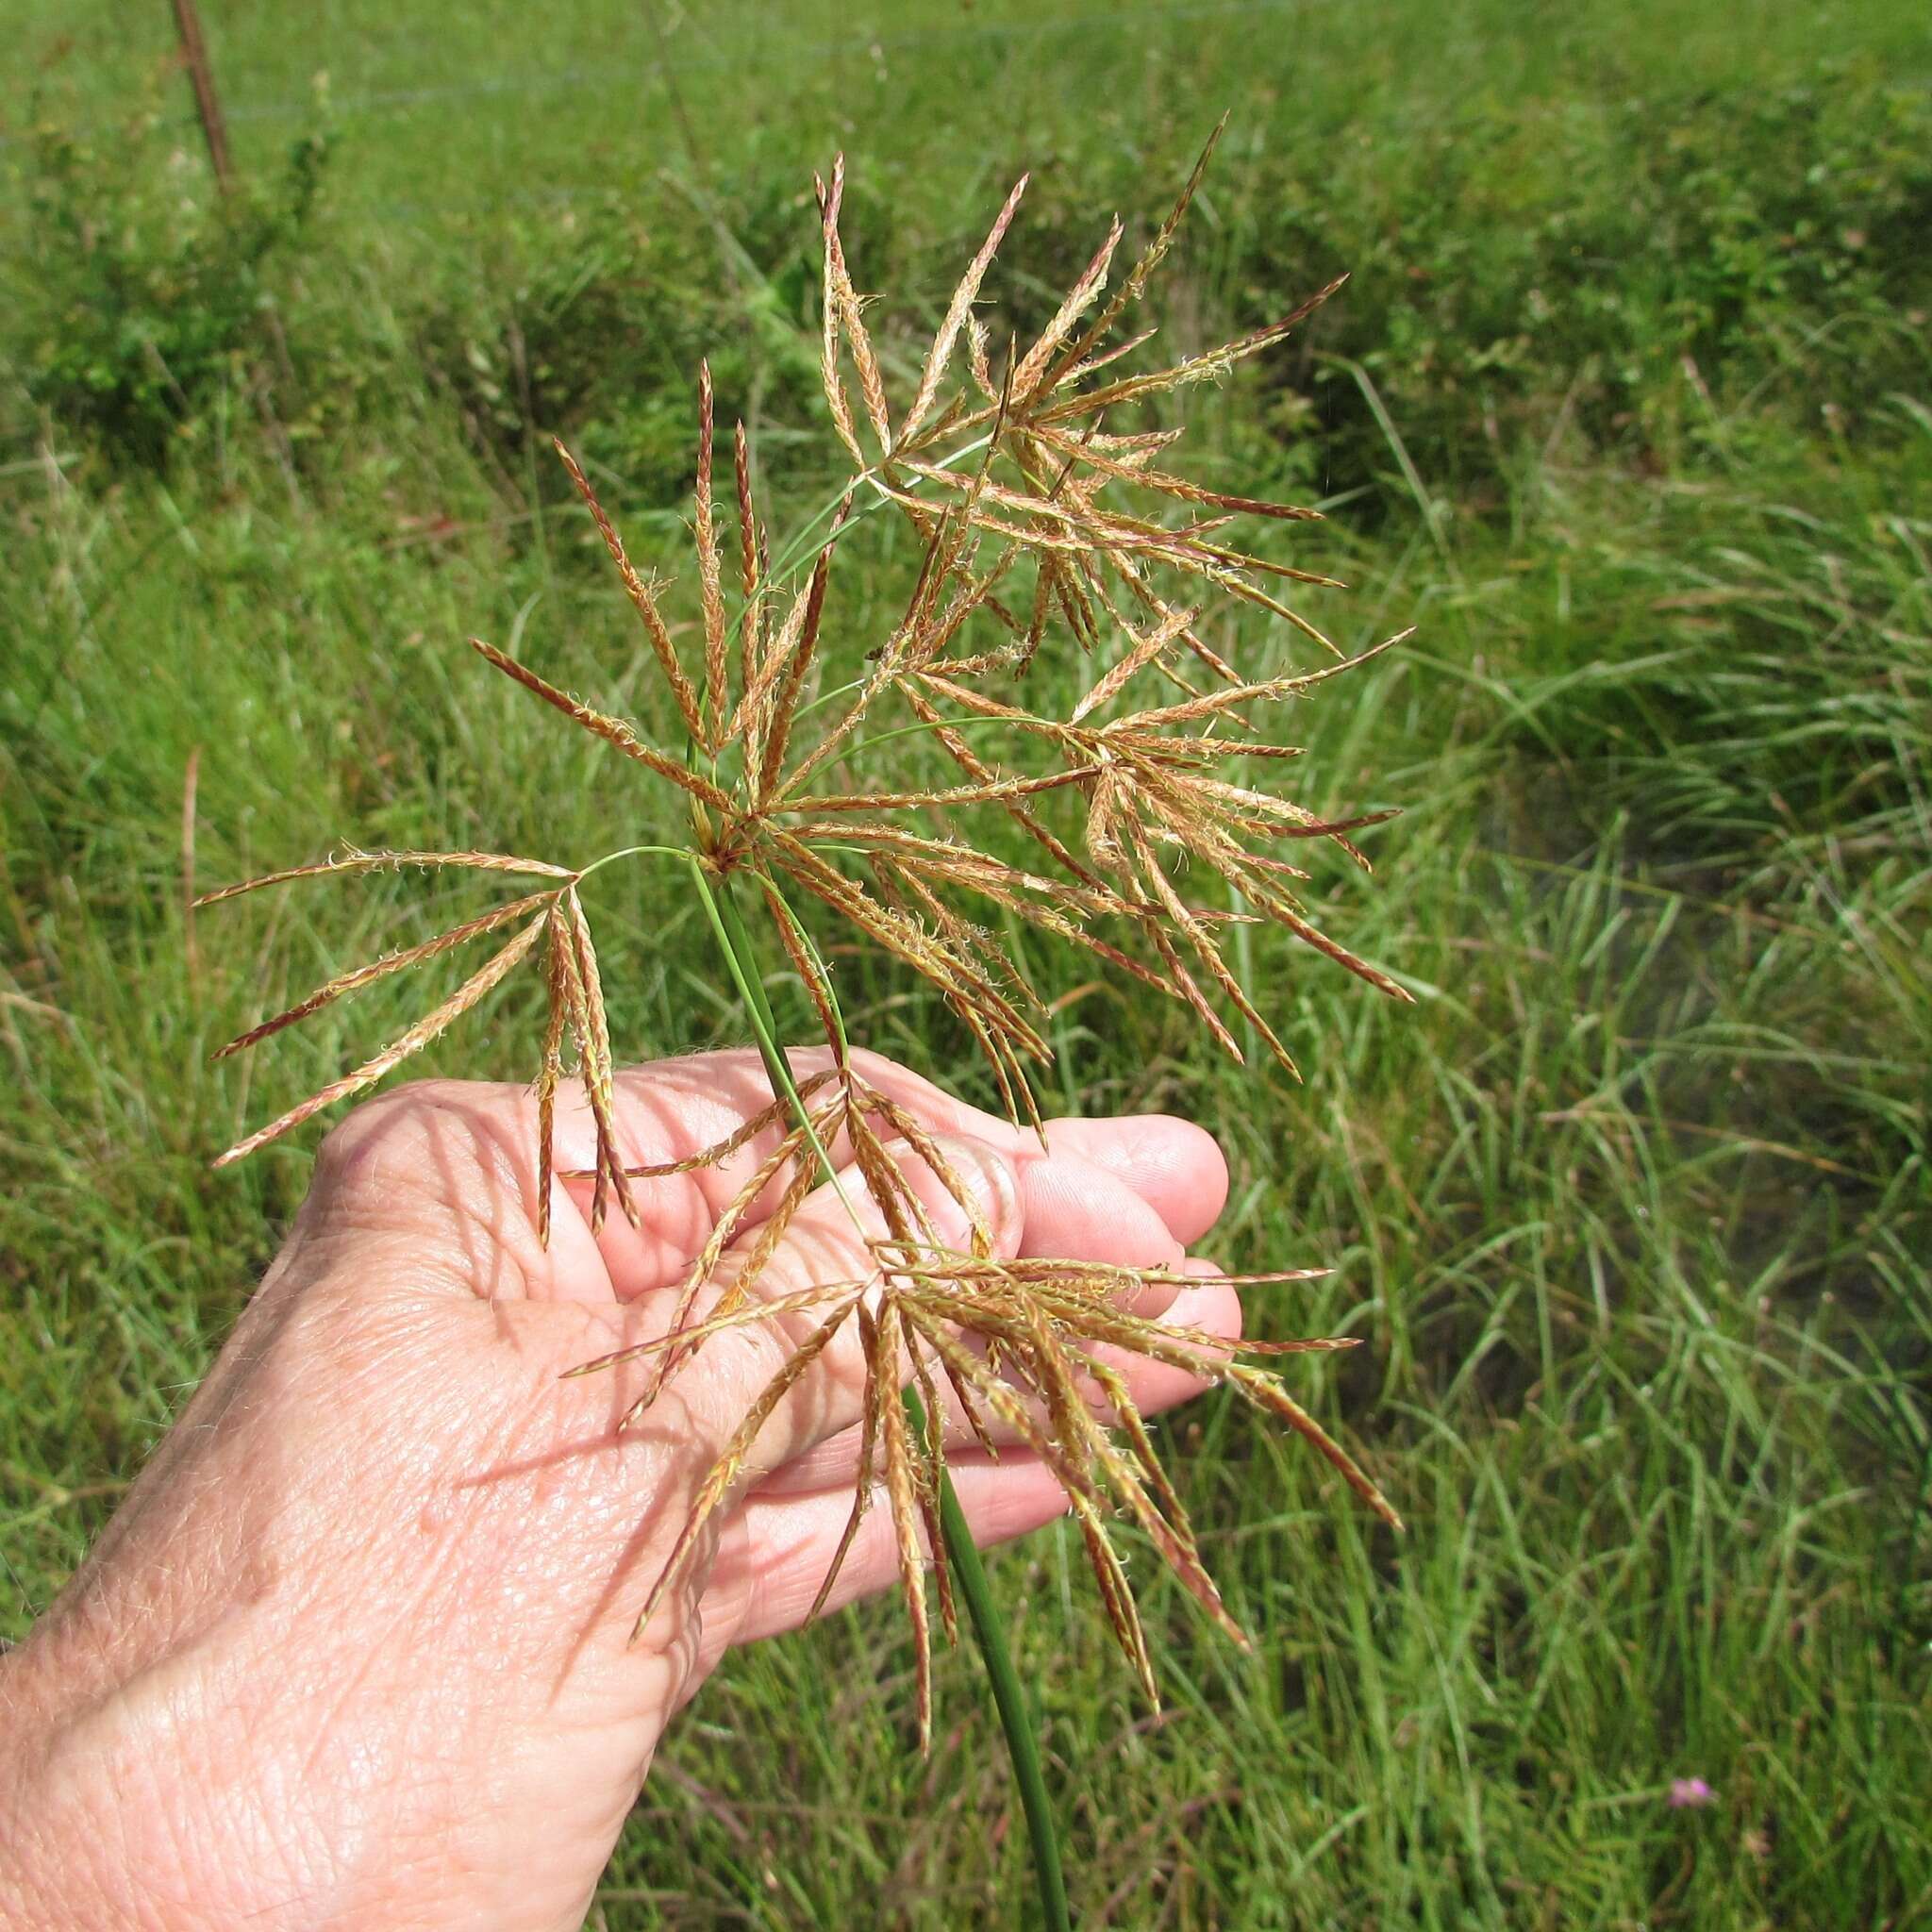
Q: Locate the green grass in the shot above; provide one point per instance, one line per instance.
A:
(1628, 408)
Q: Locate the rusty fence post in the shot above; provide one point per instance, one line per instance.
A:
(207, 104)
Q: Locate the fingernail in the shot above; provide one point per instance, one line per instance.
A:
(986, 1179)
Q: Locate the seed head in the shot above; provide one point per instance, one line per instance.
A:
(1048, 514)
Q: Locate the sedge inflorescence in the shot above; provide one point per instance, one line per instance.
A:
(1047, 516)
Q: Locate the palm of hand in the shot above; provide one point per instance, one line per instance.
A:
(379, 1585)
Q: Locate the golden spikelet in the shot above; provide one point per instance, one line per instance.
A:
(551, 1073)
(710, 567)
(354, 861)
(643, 601)
(872, 385)
(959, 312)
(419, 1036)
(749, 573)
(584, 992)
(355, 980)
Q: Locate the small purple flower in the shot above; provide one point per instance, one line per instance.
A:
(1690, 1795)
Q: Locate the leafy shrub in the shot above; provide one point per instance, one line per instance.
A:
(1608, 273)
(591, 327)
(139, 293)
(1615, 271)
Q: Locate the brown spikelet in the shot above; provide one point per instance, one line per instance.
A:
(751, 718)
(599, 1067)
(1119, 1397)
(936, 1317)
(1207, 367)
(872, 387)
(1151, 258)
(354, 861)
(720, 1151)
(832, 311)
(702, 1274)
(978, 360)
(1282, 910)
(1204, 945)
(764, 1243)
(1079, 297)
(902, 1498)
(611, 730)
(643, 601)
(380, 969)
(743, 1315)
(1143, 649)
(709, 569)
(993, 791)
(726, 1470)
(930, 1473)
(785, 698)
(865, 1479)
(557, 980)
(957, 312)
(810, 969)
(749, 575)
(1116, 1596)
(1267, 1394)
(392, 1056)
(1172, 1538)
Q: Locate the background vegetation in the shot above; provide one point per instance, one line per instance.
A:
(1628, 406)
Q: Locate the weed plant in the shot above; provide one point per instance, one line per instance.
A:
(1164, 766)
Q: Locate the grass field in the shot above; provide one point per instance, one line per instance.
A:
(1628, 408)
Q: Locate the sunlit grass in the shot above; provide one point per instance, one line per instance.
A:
(1633, 1207)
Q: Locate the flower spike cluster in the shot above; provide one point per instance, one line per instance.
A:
(1047, 516)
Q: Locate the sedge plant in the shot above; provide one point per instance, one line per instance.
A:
(1046, 517)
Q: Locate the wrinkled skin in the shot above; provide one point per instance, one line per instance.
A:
(355, 1650)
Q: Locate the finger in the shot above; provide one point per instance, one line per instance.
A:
(1075, 1210)
(1175, 1166)
(789, 1541)
(673, 1110)
(1213, 1309)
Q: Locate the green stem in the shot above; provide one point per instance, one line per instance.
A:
(682, 852)
(969, 1572)
(801, 550)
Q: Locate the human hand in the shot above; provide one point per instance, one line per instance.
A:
(356, 1649)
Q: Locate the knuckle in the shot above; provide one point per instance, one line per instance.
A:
(375, 1143)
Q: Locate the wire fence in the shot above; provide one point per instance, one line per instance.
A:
(762, 50)
(643, 69)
